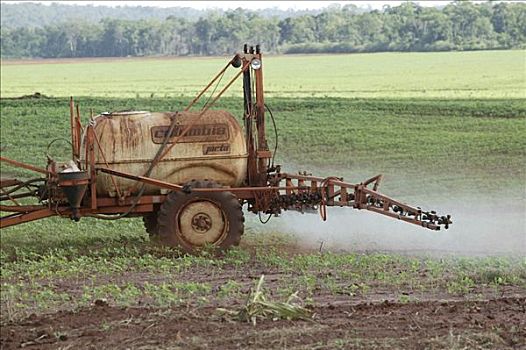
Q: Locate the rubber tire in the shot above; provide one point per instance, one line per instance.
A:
(176, 201)
(151, 224)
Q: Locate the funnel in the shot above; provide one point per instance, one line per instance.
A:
(73, 185)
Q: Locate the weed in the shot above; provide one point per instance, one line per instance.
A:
(461, 285)
(258, 307)
(230, 289)
(404, 298)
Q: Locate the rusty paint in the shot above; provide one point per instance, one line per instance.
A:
(131, 148)
(23, 165)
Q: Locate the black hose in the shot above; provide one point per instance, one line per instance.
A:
(266, 220)
(275, 133)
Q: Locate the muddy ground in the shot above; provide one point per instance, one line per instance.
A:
(429, 324)
(481, 320)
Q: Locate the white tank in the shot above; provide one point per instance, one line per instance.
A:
(214, 148)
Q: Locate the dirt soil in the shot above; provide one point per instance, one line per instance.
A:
(344, 323)
(483, 319)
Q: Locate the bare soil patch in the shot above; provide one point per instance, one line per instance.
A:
(432, 324)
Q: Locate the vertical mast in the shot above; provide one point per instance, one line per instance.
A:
(263, 154)
(249, 119)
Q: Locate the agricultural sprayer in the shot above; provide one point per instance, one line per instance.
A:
(187, 173)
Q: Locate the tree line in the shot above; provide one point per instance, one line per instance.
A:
(408, 27)
(29, 14)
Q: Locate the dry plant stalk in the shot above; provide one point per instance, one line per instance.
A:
(257, 306)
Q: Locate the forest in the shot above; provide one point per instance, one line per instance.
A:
(460, 25)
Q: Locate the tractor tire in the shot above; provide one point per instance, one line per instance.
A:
(150, 224)
(196, 220)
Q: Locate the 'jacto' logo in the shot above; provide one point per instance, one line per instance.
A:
(223, 148)
(197, 133)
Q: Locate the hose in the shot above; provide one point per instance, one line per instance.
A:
(52, 142)
(275, 133)
(266, 220)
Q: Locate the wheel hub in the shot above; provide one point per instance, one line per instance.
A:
(202, 222)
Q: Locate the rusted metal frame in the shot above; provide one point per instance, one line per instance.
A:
(335, 193)
(116, 209)
(301, 183)
(343, 194)
(376, 179)
(289, 185)
(113, 202)
(75, 129)
(174, 187)
(11, 198)
(210, 84)
(23, 165)
(8, 187)
(86, 150)
(343, 201)
(196, 119)
(245, 193)
(413, 215)
(253, 189)
(249, 116)
(330, 193)
(96, 137)
(72, 127)
(391, 201)
(144, 179)
(26, 217)
(317, 179)
(73, 182)
(227, 86)
(10, 182)
(302, 177)
(32, 213)
(262, 154)
(301, 180)
(331, 180)
(78, 131)
(360, 199)
(415, 221)
(93, 171)
(340, 203)
(329, 190)
(21, 208)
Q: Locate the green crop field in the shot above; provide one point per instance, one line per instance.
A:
(458, 142)
(483, 74)
(446, 129)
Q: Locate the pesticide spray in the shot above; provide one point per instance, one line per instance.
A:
(485, 225)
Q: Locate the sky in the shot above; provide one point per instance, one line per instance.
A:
(254, 5)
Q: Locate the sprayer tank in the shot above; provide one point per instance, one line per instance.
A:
(213, 148)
